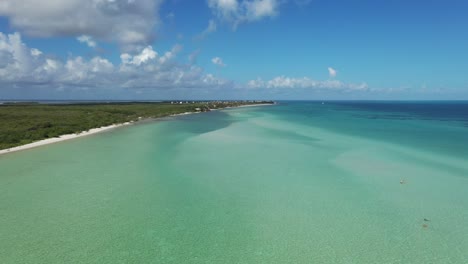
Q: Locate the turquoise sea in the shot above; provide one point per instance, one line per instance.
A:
(297, 182)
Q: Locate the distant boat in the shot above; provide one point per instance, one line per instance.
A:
(323, 103)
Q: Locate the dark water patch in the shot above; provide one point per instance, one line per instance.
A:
(438, 127)
(291, 136)
(432, 110)
(203, 122)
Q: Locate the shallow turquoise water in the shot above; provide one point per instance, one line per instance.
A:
(292, 183)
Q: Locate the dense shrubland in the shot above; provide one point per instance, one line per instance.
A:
(25, 123)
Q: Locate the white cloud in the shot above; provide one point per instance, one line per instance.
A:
(212, 27)
(24, 66)
(88, 40)
(218, 62)
(282, 82)
(6, 58)
(224, 6)
(261, 8)
(19, 61)
(146, 54)
(332, 72)
(242, 11)
(36, 52)
(128, 22)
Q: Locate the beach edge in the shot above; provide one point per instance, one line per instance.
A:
(93, 131)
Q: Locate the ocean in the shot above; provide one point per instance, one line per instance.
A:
(297, 182)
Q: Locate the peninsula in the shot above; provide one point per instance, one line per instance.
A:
(30, 125)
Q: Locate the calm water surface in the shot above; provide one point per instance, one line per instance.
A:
(299, 182)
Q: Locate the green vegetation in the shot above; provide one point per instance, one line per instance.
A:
(25, 123)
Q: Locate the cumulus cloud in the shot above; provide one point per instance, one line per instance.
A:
(6, 58)
(218, 62)
(282, 82)
(128, 22)
(88, 40)
(242, 11)
(332, 72)
(146, 54)
(24, 66)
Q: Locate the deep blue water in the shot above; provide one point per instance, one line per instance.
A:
(434, 126)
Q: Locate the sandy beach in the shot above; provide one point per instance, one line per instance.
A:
(228, 181)
(61, 138)
(91, 132)
(76, 135)
(73, 136)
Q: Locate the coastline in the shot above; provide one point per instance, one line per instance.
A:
(250, 105)
(93, 131)
(61, 138)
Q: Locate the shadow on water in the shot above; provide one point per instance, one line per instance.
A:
(287, 134)
(204, 122)
(292, 136)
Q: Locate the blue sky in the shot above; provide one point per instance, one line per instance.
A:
(233, 49)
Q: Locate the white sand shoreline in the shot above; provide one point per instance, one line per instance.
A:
(92, 131)
(61, 138)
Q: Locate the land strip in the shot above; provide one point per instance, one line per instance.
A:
(27, 125)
